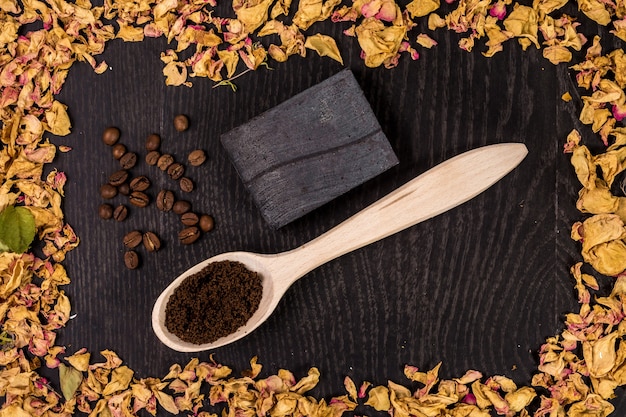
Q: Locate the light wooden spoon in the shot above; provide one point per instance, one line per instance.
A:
(440, 189)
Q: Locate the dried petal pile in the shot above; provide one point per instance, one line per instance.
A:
(579, 369)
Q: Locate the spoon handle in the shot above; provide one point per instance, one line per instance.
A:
(439, 189)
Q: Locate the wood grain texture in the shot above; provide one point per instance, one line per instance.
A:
(479, 287)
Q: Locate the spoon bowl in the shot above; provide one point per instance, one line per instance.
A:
(252, 261)
(441, 188)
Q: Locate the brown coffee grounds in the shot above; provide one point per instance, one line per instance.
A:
(214, 302)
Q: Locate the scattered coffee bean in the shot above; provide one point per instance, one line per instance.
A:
(153, 142)
(196, 158)
(186, 185)
(151, 242)
(107, 191)
(124, 189)
(105, 211)
(140, 183)
(165, 200)
(189, 219)
(118, 177)
(139, 199)
(165, 161)
(118, 150)
(133, 239)
(181, 207)
(206, 223)
(111, 135)
(152, 158)
(181, 123)
(188, 235)
(131, 259)
(120, 213)
(129, 160)
(176, 170)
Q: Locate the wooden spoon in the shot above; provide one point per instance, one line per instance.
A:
(440, 189)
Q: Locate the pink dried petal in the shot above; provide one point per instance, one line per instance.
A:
(498, 10)
(387, 12)
(469, 399)
(619, 112)
(370, 8)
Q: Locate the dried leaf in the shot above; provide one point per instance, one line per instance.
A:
(70, 378)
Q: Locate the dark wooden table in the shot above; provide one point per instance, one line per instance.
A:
(480, 287)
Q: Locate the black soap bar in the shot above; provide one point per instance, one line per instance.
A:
(309, 149)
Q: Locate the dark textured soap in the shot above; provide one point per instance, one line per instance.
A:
(309, 149)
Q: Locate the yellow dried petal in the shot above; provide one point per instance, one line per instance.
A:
(379, 43)
(230, 60)
(603, 246)
(167, 402)
(252, 13)
(378, 398)
(557, 54)
(57, 120)
(597, 200)
(420, 8)
(311, 11)
(120, 380)
(520, 398)
(308, 382)
(130, 33)
(522, 23)
(593, 405)
(324, 45)
(584, 167)
(425, 41)
(595, 10)
(13, 410)
(600, 355)
(80, 360)
(175, 72)
(435, 21)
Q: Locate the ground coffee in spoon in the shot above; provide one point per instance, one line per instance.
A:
(214, 302)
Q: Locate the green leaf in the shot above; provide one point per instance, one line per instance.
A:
(70, 379)
(17, 229)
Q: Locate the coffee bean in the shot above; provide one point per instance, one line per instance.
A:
(124, 189)
(165, 161)
(189, 219)
(181, 123)
(176, 170)
(151, 242)
(120, 213)
(111, 135)
(128, 160)
(165, 200)
(118, 177)
(133, 239)
(131, 259)
(152, 158)
(206, 223)
(186, 185)
(181, 207)
(118, 150)
(107, 191)
(140, 183)
(196, 158)
(139, 199)
(188, 235)
(105, 211)
(153, 142)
